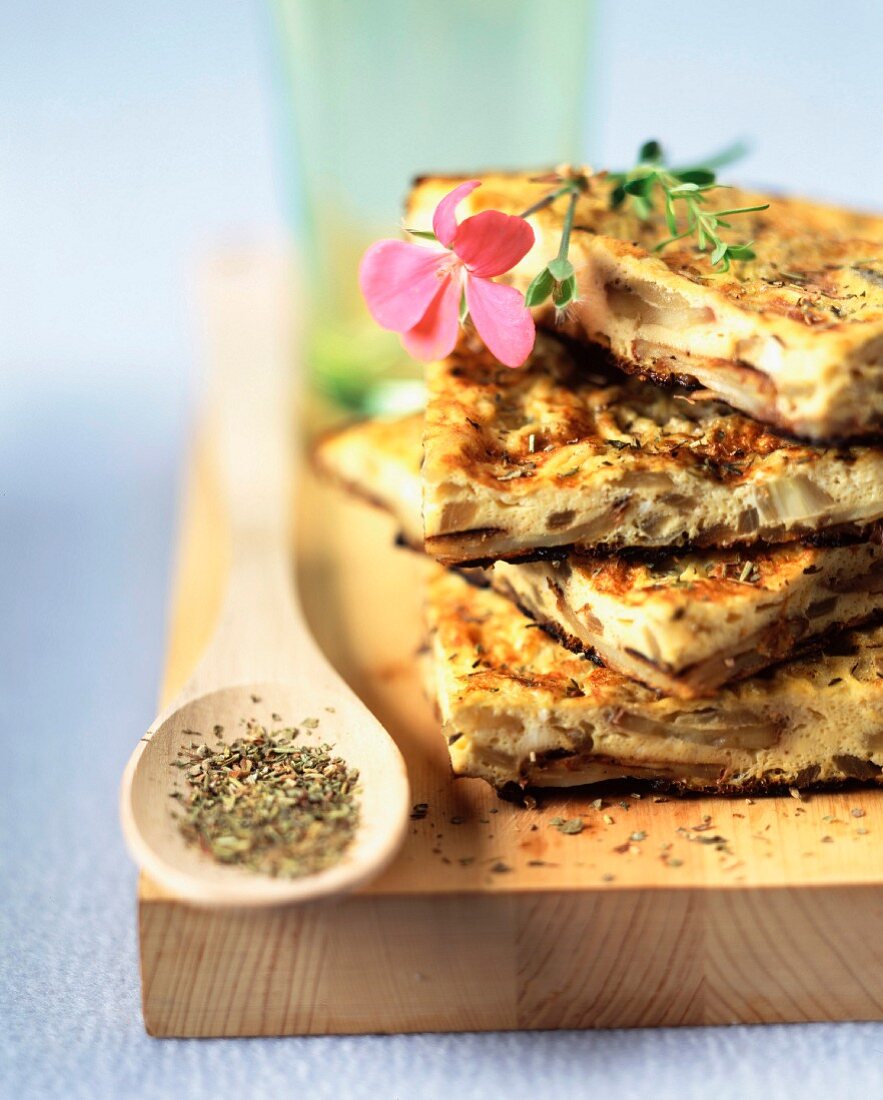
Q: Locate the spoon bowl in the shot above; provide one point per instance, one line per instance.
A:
(152, 776)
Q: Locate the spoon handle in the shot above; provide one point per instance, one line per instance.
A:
(250, 342)
(249, 336)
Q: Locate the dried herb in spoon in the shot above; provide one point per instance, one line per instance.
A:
(267, 803)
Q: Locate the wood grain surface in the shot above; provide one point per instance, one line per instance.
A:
(660, 912)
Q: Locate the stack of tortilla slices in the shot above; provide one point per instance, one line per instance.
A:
(658, 542)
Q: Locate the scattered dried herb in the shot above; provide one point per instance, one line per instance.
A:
(268, 804)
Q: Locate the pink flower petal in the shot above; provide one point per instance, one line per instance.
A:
(435, 335)
(399, 281)
(444, 223)
(491, 243)
(502, 320)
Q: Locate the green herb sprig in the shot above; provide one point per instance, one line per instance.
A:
(684, 193)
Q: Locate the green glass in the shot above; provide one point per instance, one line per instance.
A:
(381, 91)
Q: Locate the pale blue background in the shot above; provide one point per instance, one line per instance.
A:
(131, 136)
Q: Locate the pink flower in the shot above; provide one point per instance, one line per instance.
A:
(416, 289)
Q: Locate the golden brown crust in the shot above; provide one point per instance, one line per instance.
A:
(567, 452)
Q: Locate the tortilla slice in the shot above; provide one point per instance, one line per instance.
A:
(793, 338)
(564, 453)
(518, 709)
(683, 624)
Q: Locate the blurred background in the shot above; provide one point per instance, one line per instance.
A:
(133, 138)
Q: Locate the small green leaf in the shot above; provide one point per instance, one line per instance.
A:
(650, 152)
(424, 234)
(539, 289)
(640, 186)
(718, 253)
(560, 270)
(617, 196)
(703, 176)
(564, 293)
(745, 209)
(670, 217)
(742, 251)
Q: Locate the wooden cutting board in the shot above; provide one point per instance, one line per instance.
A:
(686, 911)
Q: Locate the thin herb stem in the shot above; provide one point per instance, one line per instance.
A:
(547, 200)
(568, 225)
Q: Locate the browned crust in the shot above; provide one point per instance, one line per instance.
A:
(852, 434)
(555, 631)
(599, 357)
(842, 534)
(477, 425)
(582, 371)
(766, 661)
(518, 793)
(523, 794)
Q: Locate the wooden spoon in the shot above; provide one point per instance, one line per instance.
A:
(262, 659)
